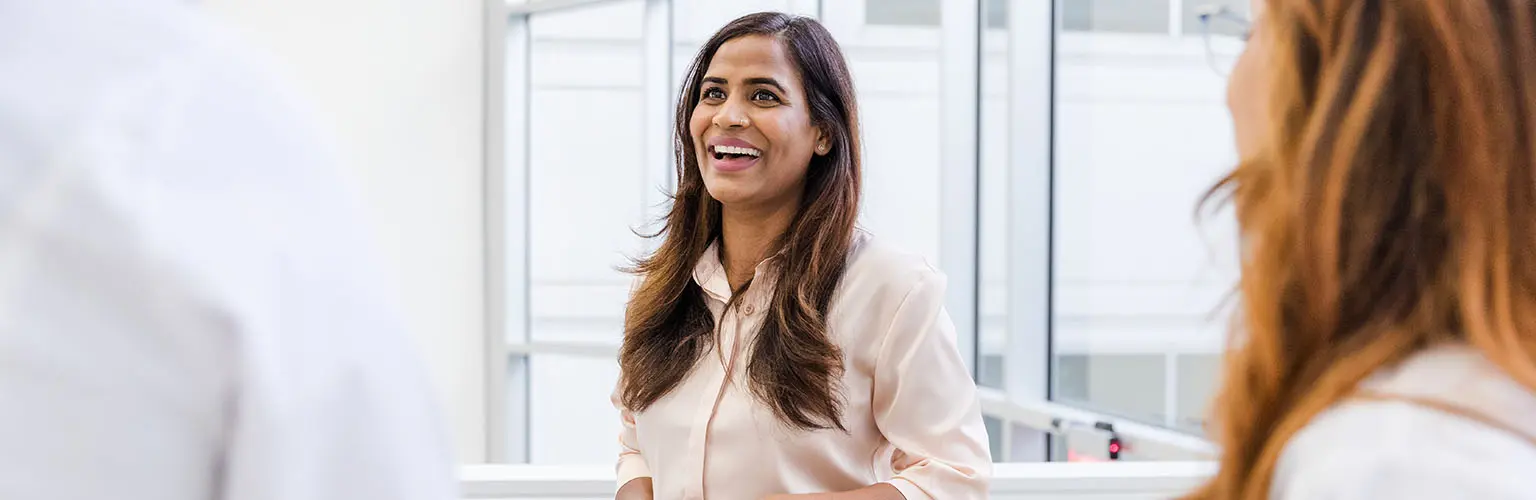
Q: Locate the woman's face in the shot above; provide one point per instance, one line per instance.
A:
(1248, 88)
(752, 128)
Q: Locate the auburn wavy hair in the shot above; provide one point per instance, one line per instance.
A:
(1391, 207)
(794, 367)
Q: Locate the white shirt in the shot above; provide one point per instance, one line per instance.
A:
(186, 312)
(911, 410)
(1389, 449)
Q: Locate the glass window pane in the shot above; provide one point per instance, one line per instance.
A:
(994, 436)
(694, 21)
(1126, 385)
(902, 12)
(585, 70)
(992, 342)
(1141, 131)
(1126, 16)
(1060, 451)
(570, 418)
(896, 76)
(1197, 375)
(1193, 9)
(996, 13)
(925, 13)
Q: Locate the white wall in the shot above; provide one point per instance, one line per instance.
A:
(399, 85)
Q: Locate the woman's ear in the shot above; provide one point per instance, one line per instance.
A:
(823, 144)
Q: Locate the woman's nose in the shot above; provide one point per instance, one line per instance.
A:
(730, 115)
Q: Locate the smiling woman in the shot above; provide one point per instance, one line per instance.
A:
(771, 348)
(766, 120)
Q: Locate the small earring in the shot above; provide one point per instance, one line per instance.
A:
(821, 149)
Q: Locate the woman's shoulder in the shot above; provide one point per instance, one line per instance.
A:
(874, 263)
(1395, 450)
(1390, 448)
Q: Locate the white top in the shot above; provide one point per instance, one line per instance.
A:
(186, 312)
(1390, 449)
(911, 409)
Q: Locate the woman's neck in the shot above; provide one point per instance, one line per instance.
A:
(747, 236)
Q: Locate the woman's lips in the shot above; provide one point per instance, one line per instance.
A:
(728, 154)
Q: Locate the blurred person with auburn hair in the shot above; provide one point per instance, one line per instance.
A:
(1385, 344)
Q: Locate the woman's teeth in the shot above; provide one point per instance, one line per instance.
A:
(722, 151)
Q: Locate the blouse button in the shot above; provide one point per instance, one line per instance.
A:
(748, 310)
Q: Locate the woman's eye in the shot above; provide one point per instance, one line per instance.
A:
(763, 95)
(714, 94)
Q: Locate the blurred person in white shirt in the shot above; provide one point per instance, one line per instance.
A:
(187, 305)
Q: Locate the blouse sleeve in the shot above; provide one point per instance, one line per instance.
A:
(631, 462)
(925, 402)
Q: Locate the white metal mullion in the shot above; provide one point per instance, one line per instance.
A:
(960, 109)
(658, 109)
(1031, 74)
(508, 232)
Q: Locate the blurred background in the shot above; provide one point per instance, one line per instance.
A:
(1048, 156)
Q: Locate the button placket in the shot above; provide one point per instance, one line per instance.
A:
(729, 334)
(734, 322)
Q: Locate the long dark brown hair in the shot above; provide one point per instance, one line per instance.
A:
(794, 366)
(1391, 208)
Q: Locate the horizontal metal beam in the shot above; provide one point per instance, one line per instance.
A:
(569, 348)
(1139, 439)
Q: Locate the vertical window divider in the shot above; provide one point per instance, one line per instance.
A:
(657, 113)
(1031, 77)
(507, 88)
(959, 152)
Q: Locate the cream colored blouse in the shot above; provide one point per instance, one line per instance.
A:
(911, 410)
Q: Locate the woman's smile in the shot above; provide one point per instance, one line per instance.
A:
(727, 154)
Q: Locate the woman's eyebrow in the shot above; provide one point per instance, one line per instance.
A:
(763, 80)
(760, 80)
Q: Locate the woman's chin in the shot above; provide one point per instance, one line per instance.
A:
(729, 192)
